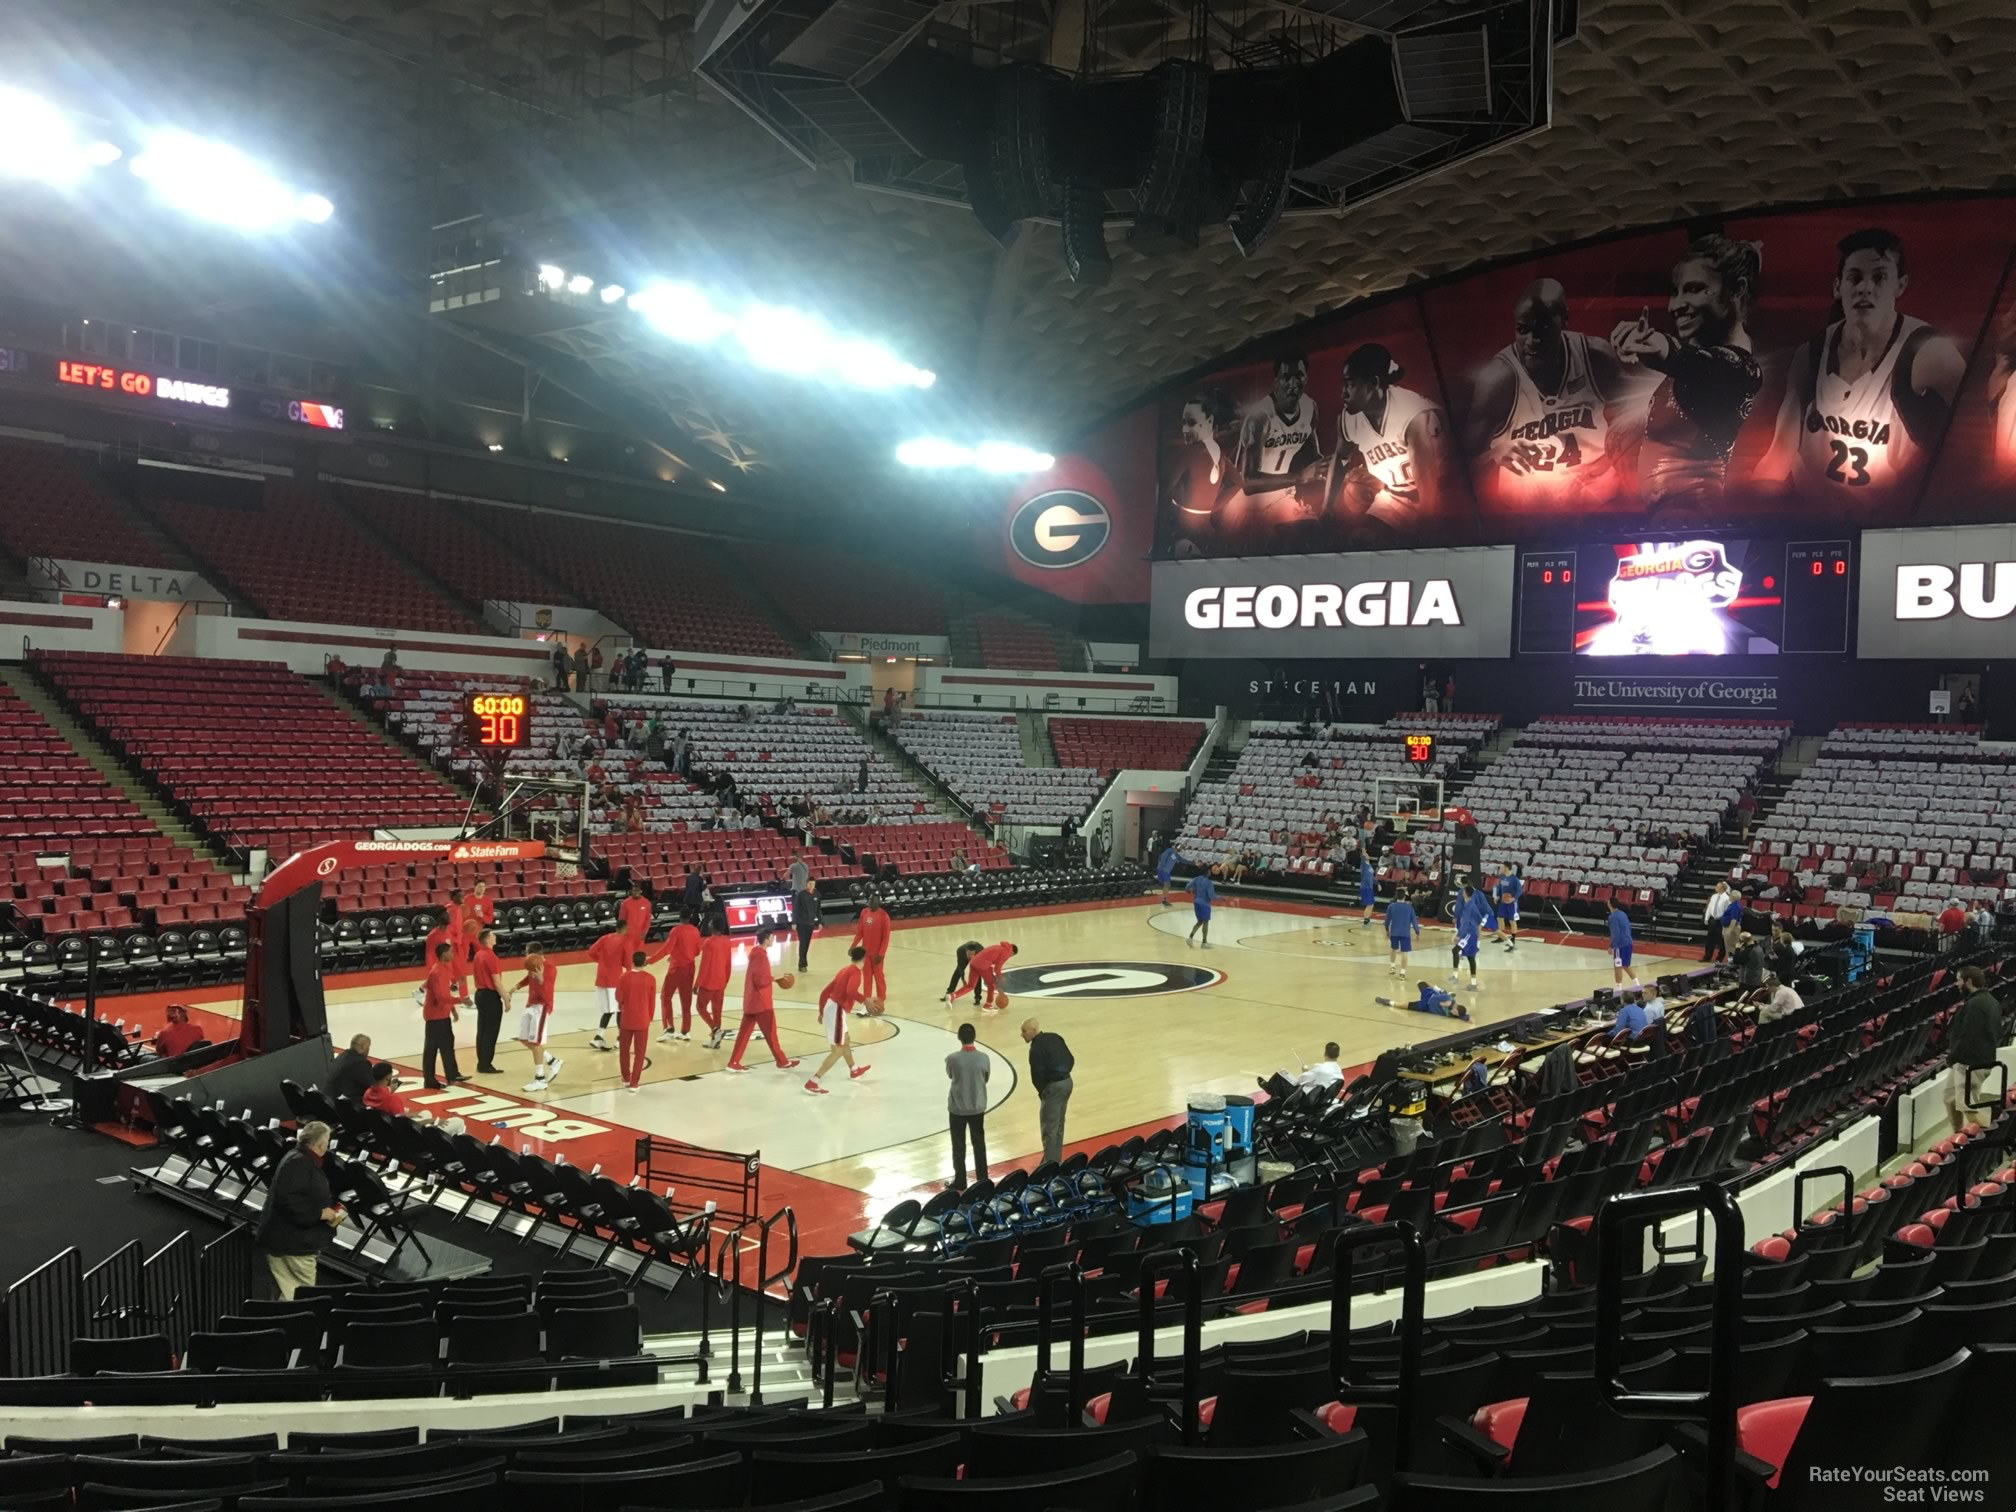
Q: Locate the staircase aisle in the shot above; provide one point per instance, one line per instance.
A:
(929, 788)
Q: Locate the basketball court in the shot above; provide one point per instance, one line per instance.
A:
(1150, 1020)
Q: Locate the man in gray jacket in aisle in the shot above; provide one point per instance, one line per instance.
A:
(1050, 1066)
(966, 1104)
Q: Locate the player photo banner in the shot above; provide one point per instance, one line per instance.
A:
(1455, 603)
(1939, 593)
(1844, 366)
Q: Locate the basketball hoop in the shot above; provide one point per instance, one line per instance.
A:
(566, 871)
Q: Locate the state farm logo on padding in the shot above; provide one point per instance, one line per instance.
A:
(1060, 528)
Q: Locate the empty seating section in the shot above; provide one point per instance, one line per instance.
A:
(254, 754)
(918, 849)
(50, 506)
(454, 546)
(301, 558)
(979, 757)
(1111, 745)
(722, 856)
(48, 790)
(1573, 801)
(807, 751)
(114, 884)
(1288, 788)
(1016, 644)
(826, 590)
(667, 589)
(1893, 819)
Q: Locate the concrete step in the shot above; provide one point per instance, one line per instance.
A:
(928, 787)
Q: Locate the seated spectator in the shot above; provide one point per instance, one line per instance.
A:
(1952, 919)
(350, 1074)
(178, 1035)
(383, 1094)
(1780, 1001)
(1632, 1019)
(1326, 1072)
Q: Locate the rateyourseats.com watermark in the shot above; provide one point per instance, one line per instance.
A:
(1905, 1485)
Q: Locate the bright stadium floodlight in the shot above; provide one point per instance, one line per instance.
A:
(611, 293)
(38, 141)
(1001, 458)
(776, 338)
(682, 312)
(214, 181)
(551, 277)
(580, 283)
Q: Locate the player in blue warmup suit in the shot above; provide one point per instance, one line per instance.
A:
(1432, 999)
(1368, 887)
(1403, 928)
(1470, 911)
(1201, 893)
(1165, 869)
(1508, 890)
(1620, 946)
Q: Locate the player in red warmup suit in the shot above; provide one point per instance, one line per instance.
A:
(635, 912)
(871, 933)
(710, 980)
(835, 999)
(759, 1015)
(681, 948)
(985, 973)
(610, 954)
(636, 1005)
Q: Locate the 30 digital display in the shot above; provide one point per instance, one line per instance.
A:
(498, 721)
(1420, 748)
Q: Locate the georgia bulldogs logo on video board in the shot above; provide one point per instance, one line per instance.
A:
(1092, 981)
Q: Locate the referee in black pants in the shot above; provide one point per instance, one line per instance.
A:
(805, 919)
(489, 1001)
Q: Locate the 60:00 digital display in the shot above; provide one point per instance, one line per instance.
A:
(498, 721)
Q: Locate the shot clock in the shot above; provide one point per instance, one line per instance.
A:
(498, 721)
(1419, 749)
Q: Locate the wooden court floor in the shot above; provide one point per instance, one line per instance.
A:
(1150, 1019)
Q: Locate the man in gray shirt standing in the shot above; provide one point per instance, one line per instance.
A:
(967, 1068)
(1050, 1065)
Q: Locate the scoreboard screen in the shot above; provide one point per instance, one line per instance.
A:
(1419, 749)
(757, 909)
(1698, 595)
(498, 721)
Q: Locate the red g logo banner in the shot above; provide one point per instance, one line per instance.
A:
(1084, 530)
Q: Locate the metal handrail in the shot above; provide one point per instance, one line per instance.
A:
(1619, 1221)
(1183, 1260)
(727, 1278)
(765, 1279)
(1413, 1309)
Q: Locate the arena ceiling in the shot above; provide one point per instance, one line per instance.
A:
(589, 115)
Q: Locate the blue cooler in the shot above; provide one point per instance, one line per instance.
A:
(1158, 1196)
(1861, 951)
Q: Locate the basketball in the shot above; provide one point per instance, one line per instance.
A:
(877, 1007)
(788, 980)
(1001, 1001)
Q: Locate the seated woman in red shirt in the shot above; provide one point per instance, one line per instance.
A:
(178, 1034)
(383, 1093)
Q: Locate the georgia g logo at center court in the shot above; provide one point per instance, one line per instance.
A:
(1062, 527)
(1089, 981)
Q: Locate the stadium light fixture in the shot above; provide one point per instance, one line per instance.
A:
(611, 293)
(580, 283)
(551, 277)
(38, 141)
(214, 181)
(776, 338)
(1000, 458)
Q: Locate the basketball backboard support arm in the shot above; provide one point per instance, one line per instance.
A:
(561, 827)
